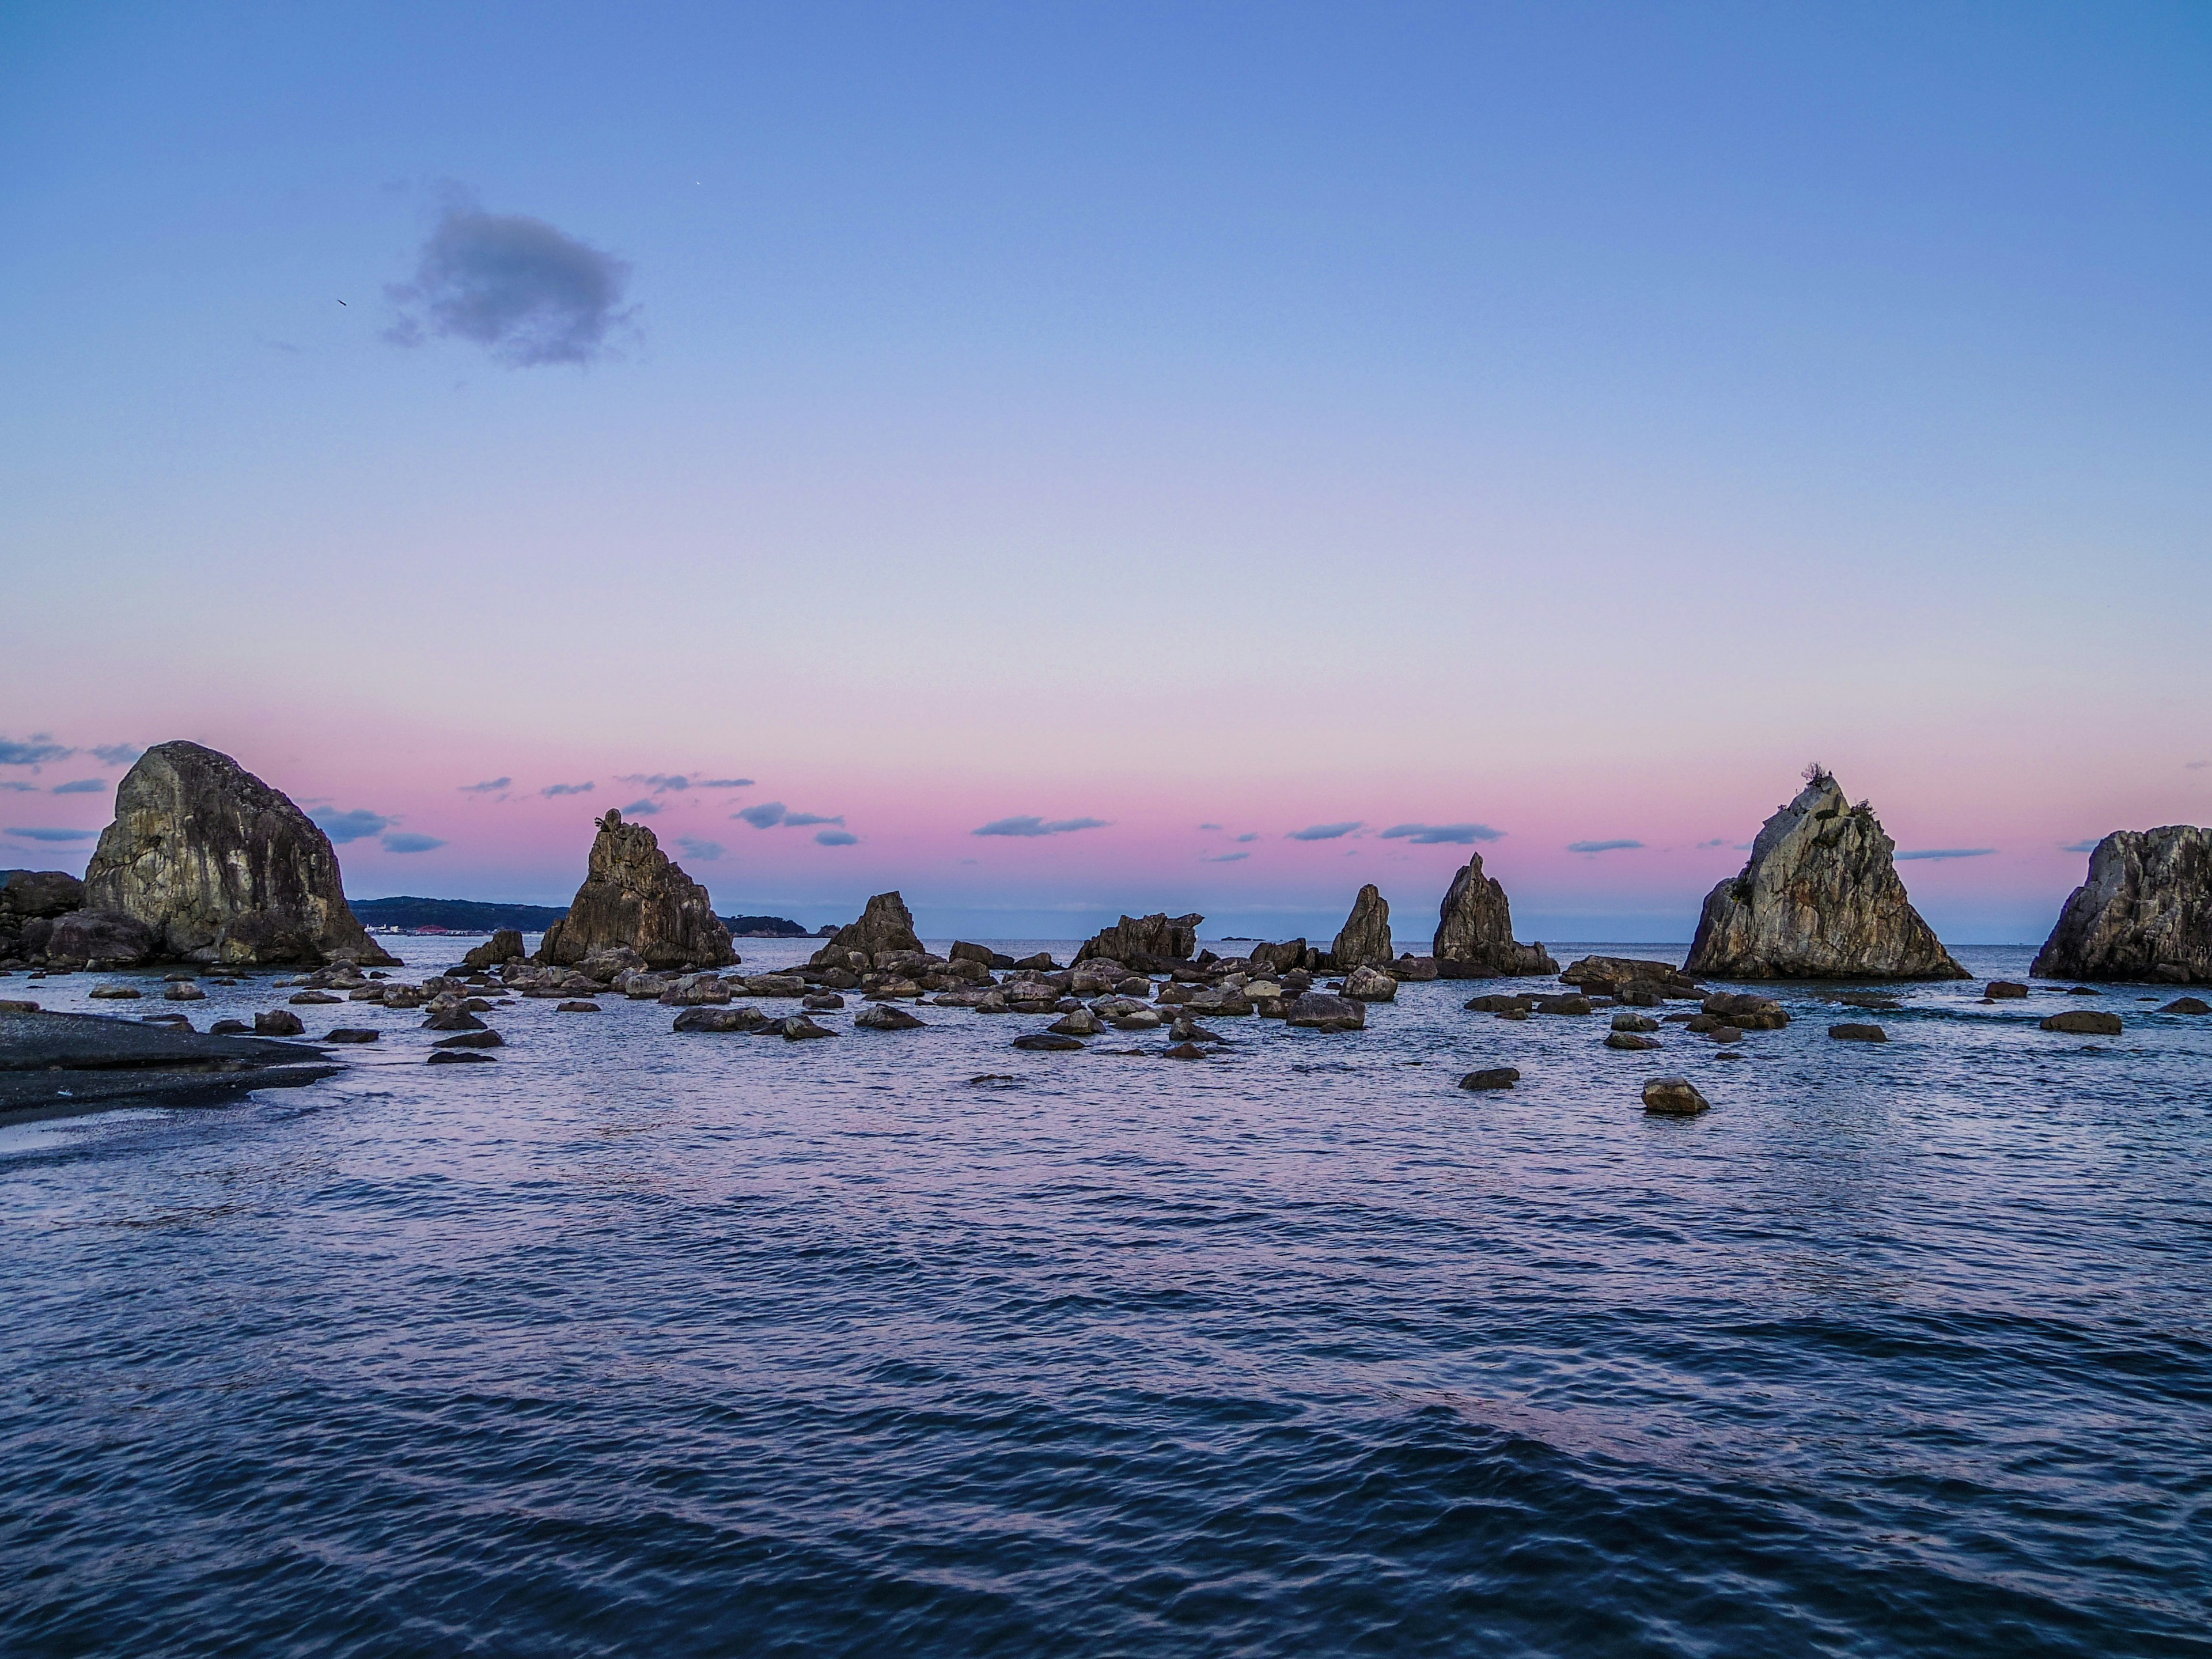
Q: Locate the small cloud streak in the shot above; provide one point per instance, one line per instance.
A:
(1441, 834)
(406, 840)
(84, 787)
(1222, 857)
(552, 789)
(530, 295)
(118, 754)
(358, 825)
(765, 816)
(802, 820)
(56, 834)
(17, 784)
(2079, 846)
(1324, 831)
(706, 852)
(1949, 853)
(1603, 845)
(834, 838)
(724, 783)
(1036, 826)
(36, 752)
(643, 807)
(489, 787)
(1718, 840)
(1209, 826)
(657, 781)
(1249, 834)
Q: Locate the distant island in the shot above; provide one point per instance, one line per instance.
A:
(416, 915)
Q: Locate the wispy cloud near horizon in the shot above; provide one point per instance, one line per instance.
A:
(1949, 853)
(406, 840)
(1443, 835)
(1603, 846)
(356, 824)
(553, 789)
(489, 787)
(1030, 826)
(44, 834)
(1324, 831)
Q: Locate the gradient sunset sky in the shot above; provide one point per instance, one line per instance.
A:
(1228, 453)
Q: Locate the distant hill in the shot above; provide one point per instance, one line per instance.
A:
(477, 916)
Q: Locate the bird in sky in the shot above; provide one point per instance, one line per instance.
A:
(343, 303)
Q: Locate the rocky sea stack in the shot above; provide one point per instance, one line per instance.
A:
(885, 924)
(1818, 899)
(1141, 941)
(218, 867)
(1475, 931)
(1366, 938)
(2144, 914)
(635, 898)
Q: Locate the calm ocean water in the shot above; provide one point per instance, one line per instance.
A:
(641, 1343)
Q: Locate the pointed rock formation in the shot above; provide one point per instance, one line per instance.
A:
(222, 867)
(885, 925)
(2144, 914)
(1475, 931)
(1366, 940)
(1820, 899)
(1140, 941)
(634, 898)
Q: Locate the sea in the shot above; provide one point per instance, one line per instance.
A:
(914, 1344)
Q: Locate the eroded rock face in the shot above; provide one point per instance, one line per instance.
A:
(28, 893)
(1818, 899)
(885, 924)
(634, 899)
(1475, 931)
(2144, 914)
(222, 867)
(1142, 940)
(1366, 938)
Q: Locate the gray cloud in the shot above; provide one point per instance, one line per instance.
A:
(526, 292)
(56, 834)
(39, 751)
(1209, 826)
(765, 816)
(1950, 853)
(802, 820)
(724, 783)
(406, 840)
(2195, 766)
(358, 825)
(551, 789)
(643, 807)
(1441, 834)
(657, 781)
(1222, 857)
(1603, 845)
(1036, 826)
(84, 787)
(1324, 831)
(2079, 846)
(19, 785)
(1718, 840)
(834, 838)
(118, 754)
(704, 850)
(1249, 834)
(489, 787)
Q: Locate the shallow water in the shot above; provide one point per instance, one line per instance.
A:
(638, 1342)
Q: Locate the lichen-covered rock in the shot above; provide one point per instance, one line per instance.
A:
(1475, 931)
(222, 867)
(1141, 941)
(1818, 899)
(2145, 912)
(634, 898)
(885, 924)
(1366, 937)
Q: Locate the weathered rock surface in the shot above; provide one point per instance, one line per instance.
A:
(1475, 931)
(707, 1017)
(1673, 1096)
(54, 1065)
(634, 899)
(1370, 985)
(28, 893)
(1364, 939)
(2145, 912)
(1819, 898)
(503, 946)
(1142, 941)
(1492, 1076)
(885, 924)
(1318, 1010)
(2187, 1005)
(1858, 1034)
(222, 867)
(2004, 990)
(1629, 1040)
(106, 936)
(885, 1017)
(2084, 1022)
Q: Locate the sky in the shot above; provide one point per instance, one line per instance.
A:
(1064, 460)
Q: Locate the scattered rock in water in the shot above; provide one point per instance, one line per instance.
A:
(1565, 1005)
(278, 1023)
(991, 1077)
(1634, 1023)
(1083, 1023)
(1629, 1040)
(312, 998)
(2187, 1005)
(1144, 1019)
(1364, 939)
(454, 1018)
(2083, 991)
(115, 993)
(352, 1034)
(799, 1027)
(458, 1057)
(1609, 975)
(1848, 1033)
(1369, 984)
(1747, 1011)
(1819, 898)
(1498, 1004)
(1475, 931)
(572, 1005)
(1318, 1010)
(710, 1017)
(18, 1005)
(982, 955)
(2084, 1022)
(1725, 1034)
(176, 1021)
(1419, 970)
(634, 901)
(1494, 1077)
(2004, 990)
(2145, 912)
(1185, 1051)
(821, 1002)
(486, 1038)
(503, 946)
(1186, 1029)
(1511, 1013)
(1883, 1001)
(222, 1027)
(1040, 963)
(1046, 1043)
(1145, 941)
(1673, 1096)
(883, 1017)
(693, 991)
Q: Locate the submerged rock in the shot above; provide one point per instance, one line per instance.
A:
(1492, 1076)
(2187, 1005)
(1141, 941)
(458, 1057)
(221, 868)
(2145, 913)
(2084, 1022)
(1848, 1033)
(1364, 938)
(1819, 898)
(1046, 1042)
(636, 901)
(1475, 931)
(1629, 1040)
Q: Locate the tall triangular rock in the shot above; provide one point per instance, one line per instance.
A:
(2145, 912)
(634, 897)
(1475, 931)
(885, 924)
(1364, 940)
(1818, 899)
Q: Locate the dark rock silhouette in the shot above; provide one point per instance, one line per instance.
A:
(504, 945)
(885, 924)
(1475, 931)
(28, 893)
(222, 867)
(2145, 912)
(1145, 941)
(1818, 899)
(1364, 939)
(635, 898)
(107, 936)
